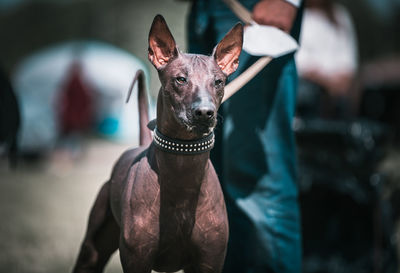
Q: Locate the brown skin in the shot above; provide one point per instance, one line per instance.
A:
(165, 211)
(278, 13)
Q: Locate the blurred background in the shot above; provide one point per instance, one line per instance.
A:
(66, 66)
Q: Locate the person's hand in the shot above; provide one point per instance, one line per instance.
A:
(340, 84)
(336, 85)
(277, 13)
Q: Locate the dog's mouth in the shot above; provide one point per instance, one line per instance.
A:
(199, 127)
(202, 129)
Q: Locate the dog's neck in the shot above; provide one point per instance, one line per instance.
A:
(178, 170)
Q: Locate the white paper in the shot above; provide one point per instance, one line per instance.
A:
(295, 3)
(260, 40)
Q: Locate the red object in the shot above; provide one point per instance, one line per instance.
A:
(75, 102)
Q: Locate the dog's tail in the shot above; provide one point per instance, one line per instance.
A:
(144, 133)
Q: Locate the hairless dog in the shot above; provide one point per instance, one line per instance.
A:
(163, 206)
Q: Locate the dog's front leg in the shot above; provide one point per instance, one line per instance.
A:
(210, 233)
(139, 243)
(209, 249)
(140, 230)
(138, 258)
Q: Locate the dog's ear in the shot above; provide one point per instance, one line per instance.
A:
(227, 52)
(162, 46)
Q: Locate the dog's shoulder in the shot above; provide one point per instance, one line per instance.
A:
(127, 159)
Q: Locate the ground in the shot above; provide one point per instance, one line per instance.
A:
(44, 208)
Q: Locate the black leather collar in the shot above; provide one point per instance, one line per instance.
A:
(183, 147)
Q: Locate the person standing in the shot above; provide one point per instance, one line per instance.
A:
(327, 61)
(255, 155)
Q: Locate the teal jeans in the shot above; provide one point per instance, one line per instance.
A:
(255, 154)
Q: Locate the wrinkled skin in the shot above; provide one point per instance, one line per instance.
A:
(166, 211)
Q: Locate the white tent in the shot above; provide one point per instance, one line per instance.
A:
(107, 69)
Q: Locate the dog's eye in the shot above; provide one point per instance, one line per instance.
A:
(218, 82)
(181, 80)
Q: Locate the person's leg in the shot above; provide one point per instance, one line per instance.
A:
(268, 238)
(260, 175)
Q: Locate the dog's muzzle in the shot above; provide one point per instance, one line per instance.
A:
(203, 118)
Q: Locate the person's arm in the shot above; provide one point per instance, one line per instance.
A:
(278, 13)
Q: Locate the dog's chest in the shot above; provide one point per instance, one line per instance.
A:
(177, 216)
(176, 225)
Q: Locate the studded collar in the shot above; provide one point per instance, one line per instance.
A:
(183, 147)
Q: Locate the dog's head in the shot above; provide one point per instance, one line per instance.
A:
(193, 84)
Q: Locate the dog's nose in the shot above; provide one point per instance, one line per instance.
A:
(204, 112)
(203, 107)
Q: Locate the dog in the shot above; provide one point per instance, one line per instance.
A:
(163, 206)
